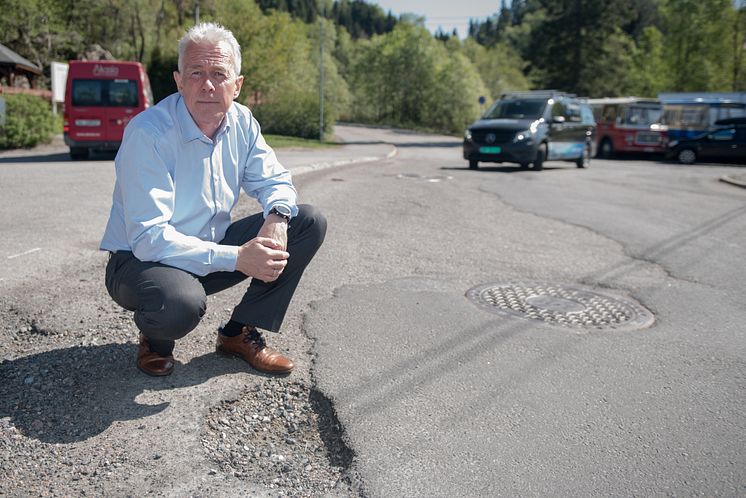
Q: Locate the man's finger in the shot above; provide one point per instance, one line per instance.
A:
(268, 242)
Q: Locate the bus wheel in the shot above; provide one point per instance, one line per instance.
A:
(541, 155)
(78, 153)
(585, 160)
(686, 156)
(473, 164)
(606, 149)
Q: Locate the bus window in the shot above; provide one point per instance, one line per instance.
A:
(609, 115)
(725, 112)
(642, 116)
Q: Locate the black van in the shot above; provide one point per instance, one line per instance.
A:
(530, 128)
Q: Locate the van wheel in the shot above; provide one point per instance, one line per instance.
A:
(686, 156)
(606, 150)
(541, 156)
(585, 160)
(473, 164)
(78, 153)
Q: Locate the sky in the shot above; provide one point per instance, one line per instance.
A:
(448, 14)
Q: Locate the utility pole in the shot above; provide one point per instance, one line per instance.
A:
(196, 12)
(321, 72)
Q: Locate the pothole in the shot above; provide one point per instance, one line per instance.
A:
(284, 435)
(563, 305)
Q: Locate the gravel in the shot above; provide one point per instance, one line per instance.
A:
(284, 435)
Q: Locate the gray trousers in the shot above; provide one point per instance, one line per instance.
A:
(169, 302)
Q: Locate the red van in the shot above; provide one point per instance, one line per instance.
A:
(100, 99)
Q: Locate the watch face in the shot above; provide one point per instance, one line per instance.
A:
(283, 210)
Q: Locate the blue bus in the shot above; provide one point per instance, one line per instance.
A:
(688, 115)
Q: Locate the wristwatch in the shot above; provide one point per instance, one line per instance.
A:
(282, 211)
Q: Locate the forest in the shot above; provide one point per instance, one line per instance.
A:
(382, 69)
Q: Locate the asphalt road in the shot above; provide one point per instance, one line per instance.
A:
(437, 396)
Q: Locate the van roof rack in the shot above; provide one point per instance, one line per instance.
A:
(537, 93)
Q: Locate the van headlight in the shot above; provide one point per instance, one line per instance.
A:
(467, 134)
(523, 136)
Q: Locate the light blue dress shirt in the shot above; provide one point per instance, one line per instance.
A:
(175, 187)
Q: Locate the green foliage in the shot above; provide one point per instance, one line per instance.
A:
(407, 78)
(500, 67)
(295, 115)
(699, 44)
(29, 121)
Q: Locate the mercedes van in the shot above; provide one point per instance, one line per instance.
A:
(529, 128)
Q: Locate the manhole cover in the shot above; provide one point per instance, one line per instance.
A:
(568, 306)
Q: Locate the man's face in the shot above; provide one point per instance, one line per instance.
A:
(208, 83)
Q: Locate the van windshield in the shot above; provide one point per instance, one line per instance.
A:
(109, 93)
(517, 109)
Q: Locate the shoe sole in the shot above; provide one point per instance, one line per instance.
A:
(153, 374)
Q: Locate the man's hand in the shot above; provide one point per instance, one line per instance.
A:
(263, 258)
(276, 228)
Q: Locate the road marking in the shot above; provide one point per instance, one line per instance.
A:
(35, 249)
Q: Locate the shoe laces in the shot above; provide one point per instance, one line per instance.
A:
(254, 337)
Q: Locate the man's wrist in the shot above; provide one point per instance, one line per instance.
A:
(281, 211)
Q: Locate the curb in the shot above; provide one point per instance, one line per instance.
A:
(308, 168)
(733, 181)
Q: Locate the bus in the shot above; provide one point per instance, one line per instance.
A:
(100, 99)
(628, 125)
(688, 115)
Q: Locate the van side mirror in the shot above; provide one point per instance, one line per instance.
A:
(558, 119)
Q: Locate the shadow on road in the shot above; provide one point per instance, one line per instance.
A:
(72, 394)
(507, 169)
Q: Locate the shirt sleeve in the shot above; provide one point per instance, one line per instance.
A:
(148, 196)
(264, 178)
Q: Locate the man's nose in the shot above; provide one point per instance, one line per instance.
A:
(207, 85)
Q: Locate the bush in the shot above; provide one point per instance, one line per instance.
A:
(28, 122)
(293, 115)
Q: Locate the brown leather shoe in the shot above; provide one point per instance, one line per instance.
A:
(151, 362)
(250, 346)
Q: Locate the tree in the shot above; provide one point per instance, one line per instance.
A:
(699, 44)
(579, 47)
(500, 67)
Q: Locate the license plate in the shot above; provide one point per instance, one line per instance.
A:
(88, 122)
(490, 150)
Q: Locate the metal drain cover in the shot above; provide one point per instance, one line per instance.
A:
(565, 305)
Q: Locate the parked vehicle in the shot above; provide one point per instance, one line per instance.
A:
(689, 115)
(100, 99)
(726, 143)
(531, 128)
(628, 125)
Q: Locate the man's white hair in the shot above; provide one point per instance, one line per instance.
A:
(212, 33)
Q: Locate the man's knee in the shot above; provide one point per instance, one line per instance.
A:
(173, 313)
(313, 222)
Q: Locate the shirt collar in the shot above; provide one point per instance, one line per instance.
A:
(189, 129)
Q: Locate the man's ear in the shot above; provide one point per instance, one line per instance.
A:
(177, 79)
(239, 82)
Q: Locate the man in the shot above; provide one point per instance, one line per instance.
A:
(179, 171)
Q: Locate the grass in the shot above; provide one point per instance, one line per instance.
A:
(281, 141)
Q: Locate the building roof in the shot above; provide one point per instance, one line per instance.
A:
(10, 58)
